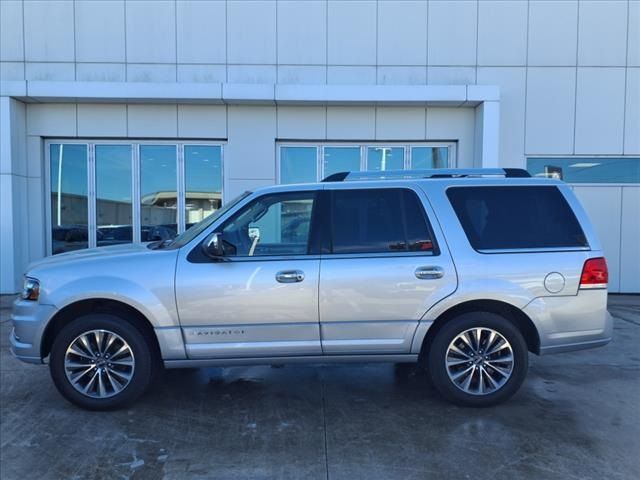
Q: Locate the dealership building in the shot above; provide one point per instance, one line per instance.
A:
(126, 121)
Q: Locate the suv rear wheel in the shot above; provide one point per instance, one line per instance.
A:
(478, 359)
(101, 362)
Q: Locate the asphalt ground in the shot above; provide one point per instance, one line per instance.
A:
(577, 416)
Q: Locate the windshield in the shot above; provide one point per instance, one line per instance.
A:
(192, 232)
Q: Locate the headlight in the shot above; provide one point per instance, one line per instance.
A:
(30, 289)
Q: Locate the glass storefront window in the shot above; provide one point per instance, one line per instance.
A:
(114, 213)
(69, 199)
(158, 192)
(429, 157)
(203, 181)
(298, 164)
(340, 159)
(108, 193)
(385, 158)
(587, 170)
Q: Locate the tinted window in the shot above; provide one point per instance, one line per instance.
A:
(516, 217)
(378, 221)
(270, 225)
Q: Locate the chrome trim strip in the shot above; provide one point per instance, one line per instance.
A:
(313, 359)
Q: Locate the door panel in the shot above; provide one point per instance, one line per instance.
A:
(374, 304)
(238, 308)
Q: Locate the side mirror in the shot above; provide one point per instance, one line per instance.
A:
(212, 246)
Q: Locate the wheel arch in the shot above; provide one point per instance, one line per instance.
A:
(98, 305)
(515, 315)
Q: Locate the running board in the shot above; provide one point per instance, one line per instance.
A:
(317, 359)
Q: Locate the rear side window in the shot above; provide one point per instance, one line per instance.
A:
(379, 221)
(516, 217)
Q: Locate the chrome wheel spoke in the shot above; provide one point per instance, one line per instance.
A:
(103, 377)
(486, 367)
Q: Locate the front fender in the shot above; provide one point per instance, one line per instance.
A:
(157, 304)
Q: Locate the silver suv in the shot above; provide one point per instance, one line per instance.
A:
(462, 271)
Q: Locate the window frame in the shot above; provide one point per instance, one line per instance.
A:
(135, 144)
(364, 152)
(327, 234)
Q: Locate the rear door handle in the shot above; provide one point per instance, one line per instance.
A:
(429, 273)
(290, 276)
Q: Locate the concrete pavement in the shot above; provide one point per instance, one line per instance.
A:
(576, 417)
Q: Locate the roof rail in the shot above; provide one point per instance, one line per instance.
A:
(432, 173)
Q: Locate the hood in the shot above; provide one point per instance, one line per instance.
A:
(87, 255)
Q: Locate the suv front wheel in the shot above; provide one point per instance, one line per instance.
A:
(101, 362)
(478, 359)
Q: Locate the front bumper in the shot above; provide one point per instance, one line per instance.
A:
(29, 320)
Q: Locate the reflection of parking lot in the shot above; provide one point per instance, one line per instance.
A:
(66, 238)
(577, 416)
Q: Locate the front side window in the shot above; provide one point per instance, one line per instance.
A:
(276, 224)
(510, 217)
(378, 221)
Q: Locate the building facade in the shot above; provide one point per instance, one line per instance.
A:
(126, 121)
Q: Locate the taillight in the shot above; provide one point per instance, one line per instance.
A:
(594, 273)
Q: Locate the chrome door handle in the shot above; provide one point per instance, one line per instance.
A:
(290, 276)
(429, 273)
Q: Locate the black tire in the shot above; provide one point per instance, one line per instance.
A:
(438, 353)
(143, 373)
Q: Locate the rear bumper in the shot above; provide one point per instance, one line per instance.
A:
(29, 321)
(571, 323)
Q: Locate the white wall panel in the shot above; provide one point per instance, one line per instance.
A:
(236, 186)
(400, 123)
(630, 240)
(11, 71)
(452, 32)
(202, 121)
(632, 114)
(454, 124)
(35, 228)
(144, 72)
(351, 75)
(553, 32)
(250, 153)
(502, 33)
(550, 110)
(51, 119)
(101, 72)
(352, 32)
(402, 32)
(153, 121)
(48, 71)
(202, 73)
(600, 110)
(102, 120)
(11, 34)
(49, 31)
(99, 31)
(511, 81)
(251, 32)
(303, 123)
(302, 74)
(201, 31)
(351, 123)
(451, 75)
(34, 156)
(602, 31)
(633, 42)
(302, 32)
(251, 73)
(151, 31)
(603, 205)
(401, 75)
